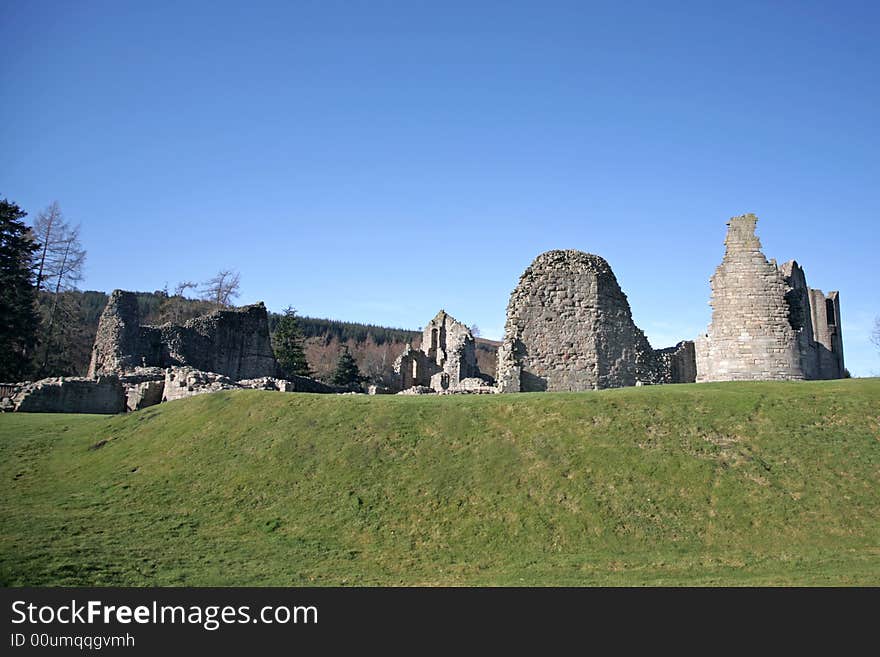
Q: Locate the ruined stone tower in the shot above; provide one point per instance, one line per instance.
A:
(569, 327)
(117, 345)
(766, 322)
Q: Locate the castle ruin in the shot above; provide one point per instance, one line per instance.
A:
(232, 342)
(569, 328)
(767, 323)
(446, 360)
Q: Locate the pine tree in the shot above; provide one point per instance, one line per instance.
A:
(18, 315)
(347, 372)
(288, 344)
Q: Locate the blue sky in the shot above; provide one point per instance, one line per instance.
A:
(376, 161)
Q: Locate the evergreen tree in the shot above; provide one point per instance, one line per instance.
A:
(18, 316)
(289, 345)
(347, 372)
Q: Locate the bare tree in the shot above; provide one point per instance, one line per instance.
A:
(67, 269)
(475, 330)
(60, 264)
(181, 288)
(875, 334)
(376, 364)
(61, 257)
(44, 230)
(177, 308)
(222, 289)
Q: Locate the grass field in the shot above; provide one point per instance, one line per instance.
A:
(735, 484)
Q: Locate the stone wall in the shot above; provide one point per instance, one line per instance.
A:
(676, 364)
(766, 322)
(71, 395)
(825, 317)
(119, 338)
(231, 342)
(144, 386)
(569, 327)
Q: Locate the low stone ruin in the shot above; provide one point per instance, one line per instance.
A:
(181, 382)
(137, 389)
(569, 328)
(144, 386)
(766, 322)
(228, 349)
(69, 394)
(445, 362)
(135, 366)
(418, 390)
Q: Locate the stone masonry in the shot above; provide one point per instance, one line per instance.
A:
(569, 327)
(447, 357)
(70, 394)
(766, 322)
(231, 342)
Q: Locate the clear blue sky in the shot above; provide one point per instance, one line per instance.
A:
(376, 161)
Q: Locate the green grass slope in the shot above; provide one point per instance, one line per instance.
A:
(752, 483)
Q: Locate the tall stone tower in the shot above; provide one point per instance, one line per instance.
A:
(765, 321)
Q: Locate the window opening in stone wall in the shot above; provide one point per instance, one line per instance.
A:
(829, 311)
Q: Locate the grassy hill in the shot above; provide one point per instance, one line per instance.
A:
(752, 483)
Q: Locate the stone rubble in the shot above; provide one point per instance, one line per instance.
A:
(144, 386)
(418, 390)
(182, 382)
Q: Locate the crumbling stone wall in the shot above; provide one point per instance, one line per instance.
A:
(676, 364)
(119, 340)
(232, 342)
(766, 321)
(798, 300)
(569, 327)
(71, 395)
(144, 386)
(447, 356)
(825, 316)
